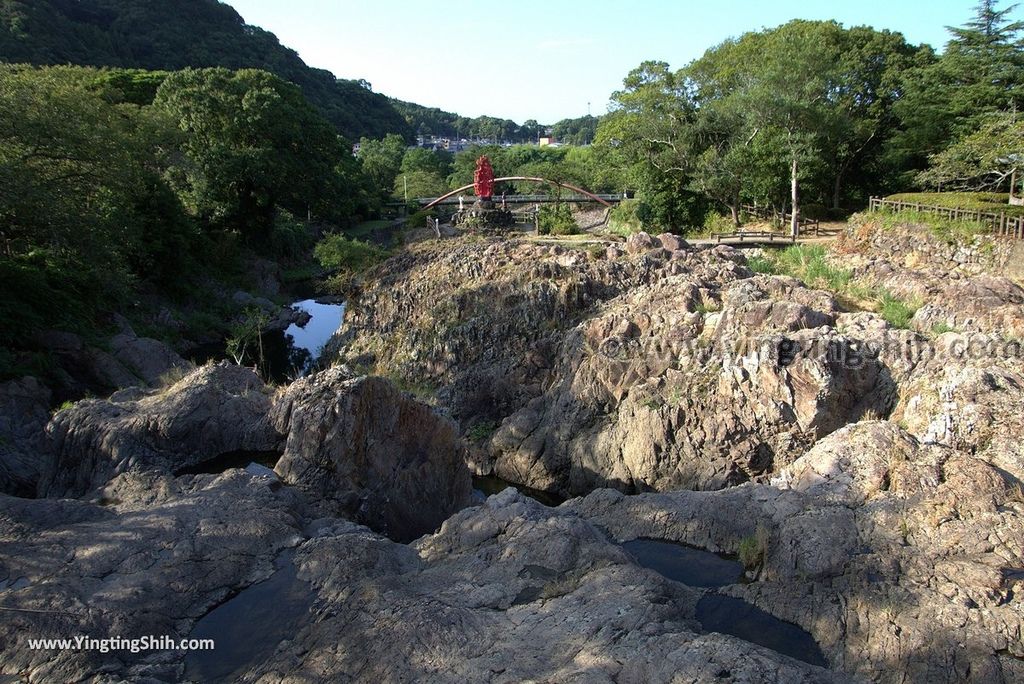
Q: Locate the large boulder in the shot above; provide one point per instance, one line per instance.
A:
(24, 412)
(477, 323)
(372, 453)
(148, 566)
(212, 411)
(149, 360)
(680, 385)
(899, 557)
(510, 591)
(126, 361)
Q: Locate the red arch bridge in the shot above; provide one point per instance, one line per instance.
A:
(576, 195)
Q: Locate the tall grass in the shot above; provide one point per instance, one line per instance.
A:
(812, 265)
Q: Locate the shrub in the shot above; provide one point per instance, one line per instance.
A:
(289, 237)
(339, 253)
(556, 219)
(623, 219)
(718, 223)
(481, 432)
(753, 549)
(759, 263)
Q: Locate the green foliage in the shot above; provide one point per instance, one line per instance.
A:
(245, 343)
(951, 231)
(175, 34)
(622, 219)
(381, 161)
(758, 263)
(556, 219)
(985, 201)
(339, 253)
(897, 312)
(290, 238)
(753, 549)
(84, 212)
(986, 158)
(252, 143)
(717, 223)
(420, 183)
(812, 265)
(481, 432)
(980, 73)
(579, 131)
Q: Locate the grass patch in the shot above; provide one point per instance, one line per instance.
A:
(622, 219)
(811, 264)
(481, 432)
(758, 263)
(994, 202)
(897, 312)
(754, 548)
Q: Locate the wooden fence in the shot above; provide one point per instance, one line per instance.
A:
(769, 214)
(999, 224)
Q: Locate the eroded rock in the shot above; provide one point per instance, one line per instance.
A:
(371, 453)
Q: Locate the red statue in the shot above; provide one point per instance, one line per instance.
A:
(483, 179)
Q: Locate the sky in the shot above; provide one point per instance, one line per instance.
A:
(547, 60)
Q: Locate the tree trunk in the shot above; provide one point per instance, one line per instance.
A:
(795, 223)
(735, 211)
(836, 189)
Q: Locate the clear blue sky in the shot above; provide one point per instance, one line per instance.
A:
(546, 60)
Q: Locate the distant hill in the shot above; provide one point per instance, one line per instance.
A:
(173, 34)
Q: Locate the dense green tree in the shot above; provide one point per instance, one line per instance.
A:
(579, 131)
(252, 143)
(84, 211)
(980, 72)
(422, 159)
(175, 34)
(991, 158)
(381, 162)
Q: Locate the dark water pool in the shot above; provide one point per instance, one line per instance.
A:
(730, 615)
(724, 614)
(487, 485)
(693, 567)
(232, 459)
(248, 627)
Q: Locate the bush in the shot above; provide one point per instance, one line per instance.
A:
(556, 219)
(623, 219)
(338, 253)
(718, 223)
(289, 237)
(753, 549)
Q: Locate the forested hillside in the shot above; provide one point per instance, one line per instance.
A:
(174, 34)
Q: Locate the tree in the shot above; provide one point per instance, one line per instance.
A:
(649, 130)
(381, 161)
(252, 143)
(988, 159)
(981, 72)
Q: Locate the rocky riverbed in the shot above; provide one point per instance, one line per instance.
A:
(868, 478)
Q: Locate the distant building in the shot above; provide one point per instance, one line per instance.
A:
(546, 140)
